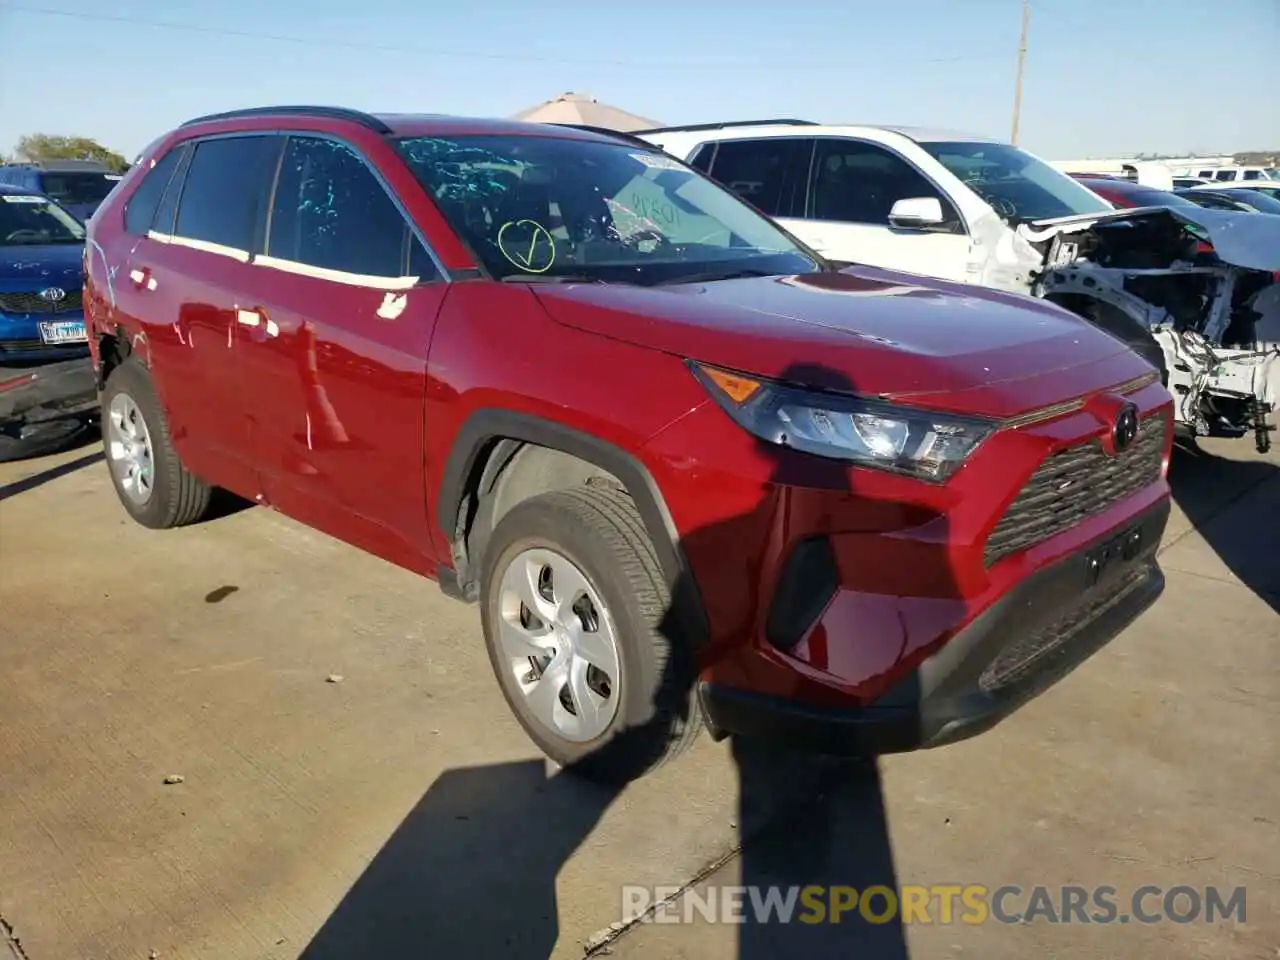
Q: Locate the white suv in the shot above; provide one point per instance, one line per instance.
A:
(977, 210)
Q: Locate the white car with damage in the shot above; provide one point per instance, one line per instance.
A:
(1193, 290)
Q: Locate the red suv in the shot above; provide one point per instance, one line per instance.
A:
(688, 469)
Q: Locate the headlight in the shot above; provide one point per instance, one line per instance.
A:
(918, 443)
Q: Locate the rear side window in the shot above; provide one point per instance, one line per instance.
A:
(224, 194)
(768, 174)
(1253, 175)
(140, 210)
(79, 187)
(330, 211)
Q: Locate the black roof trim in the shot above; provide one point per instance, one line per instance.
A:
(692, 127)
(329, 113)
(606, 132)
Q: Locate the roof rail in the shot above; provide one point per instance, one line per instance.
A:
(606, 132)
(781, 122)
(330, 113)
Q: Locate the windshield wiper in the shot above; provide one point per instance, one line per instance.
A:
(550, 278)
(709, 276)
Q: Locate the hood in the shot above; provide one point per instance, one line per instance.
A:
(54, 265)
(875, 332)
(1248, 240)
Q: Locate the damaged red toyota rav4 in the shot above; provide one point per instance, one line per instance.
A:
(689, 471)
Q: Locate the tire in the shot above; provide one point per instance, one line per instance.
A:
(594, 532)
(175, 498)
(1127, 330)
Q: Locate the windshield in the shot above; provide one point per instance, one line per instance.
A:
(32, 220)
(78, 188)
(1016, 185)
(543, 207)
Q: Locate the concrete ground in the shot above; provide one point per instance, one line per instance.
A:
(399, 811)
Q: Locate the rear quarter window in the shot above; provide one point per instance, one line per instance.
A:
(140, 210)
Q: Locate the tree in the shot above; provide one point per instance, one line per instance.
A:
(47, 146)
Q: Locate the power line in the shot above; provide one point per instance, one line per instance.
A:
(753, 64)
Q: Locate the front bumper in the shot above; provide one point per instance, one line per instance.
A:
(1033, 636)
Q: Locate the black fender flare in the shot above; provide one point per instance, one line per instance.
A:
(487, 425)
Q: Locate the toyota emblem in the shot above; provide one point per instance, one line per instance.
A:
(53, 294)
(1126, 428)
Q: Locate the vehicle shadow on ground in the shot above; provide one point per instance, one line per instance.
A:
(472, 870)
(50, 474)
(1208, 488)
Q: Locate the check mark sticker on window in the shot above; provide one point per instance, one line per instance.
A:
(528, 245)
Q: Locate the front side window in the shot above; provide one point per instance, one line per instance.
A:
(550, 207)
(28, 220)
(1015, 184)
(331, 212)
(224, 192)
(857, 182)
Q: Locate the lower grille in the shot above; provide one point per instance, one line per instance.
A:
(1036, 652)
(27, 303)
(1075, 484)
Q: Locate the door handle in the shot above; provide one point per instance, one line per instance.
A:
(141, 277)
(258, 319)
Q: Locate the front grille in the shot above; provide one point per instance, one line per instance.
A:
(34, 303)
(1094, 481)
(1060, 643)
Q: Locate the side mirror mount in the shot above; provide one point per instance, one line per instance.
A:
(916, 213)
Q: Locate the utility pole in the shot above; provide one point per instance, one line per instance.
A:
(1022, 62)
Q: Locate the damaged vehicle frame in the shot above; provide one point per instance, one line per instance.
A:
(1200, 284)
(1194, 291)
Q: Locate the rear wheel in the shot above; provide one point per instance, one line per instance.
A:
(150, 480)
(573, 602)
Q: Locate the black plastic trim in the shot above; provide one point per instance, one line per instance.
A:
(943, 701)
(808, 581)
(611, 134)
(366, 120)
(694, 127)
(487, 425)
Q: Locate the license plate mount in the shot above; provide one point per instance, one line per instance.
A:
(1111, 558)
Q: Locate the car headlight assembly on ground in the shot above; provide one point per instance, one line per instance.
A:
(919, 443)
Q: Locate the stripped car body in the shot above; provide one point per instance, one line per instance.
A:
(1215, 314)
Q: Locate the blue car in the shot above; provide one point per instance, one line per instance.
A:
(79, 185)
(41, 279)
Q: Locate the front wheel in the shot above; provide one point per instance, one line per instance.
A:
(573, 603)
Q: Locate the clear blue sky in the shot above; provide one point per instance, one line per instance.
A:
(1103, 76)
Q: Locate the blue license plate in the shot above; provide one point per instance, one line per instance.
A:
(62, 331)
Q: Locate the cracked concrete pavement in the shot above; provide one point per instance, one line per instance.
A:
(401, 812)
